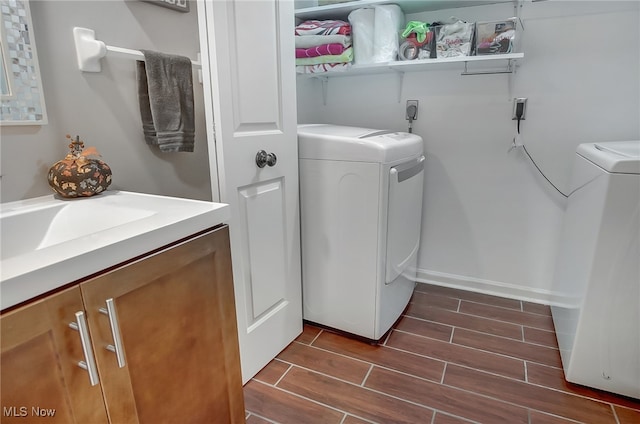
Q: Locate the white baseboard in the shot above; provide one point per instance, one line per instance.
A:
(494, 288)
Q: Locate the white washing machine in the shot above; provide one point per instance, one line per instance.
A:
(361, 210)
(598, 270)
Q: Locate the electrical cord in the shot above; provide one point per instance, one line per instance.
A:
(519, 113)
(542, 173)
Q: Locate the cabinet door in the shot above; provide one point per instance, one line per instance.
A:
(40, 372)
(176, 322)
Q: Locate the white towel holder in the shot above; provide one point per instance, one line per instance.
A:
(89, 51)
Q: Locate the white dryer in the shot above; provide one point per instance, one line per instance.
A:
(597, 278)
(361, 210)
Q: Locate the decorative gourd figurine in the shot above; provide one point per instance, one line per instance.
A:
(77, 175)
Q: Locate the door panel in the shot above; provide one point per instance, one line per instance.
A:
(262, 206)
(254, 108)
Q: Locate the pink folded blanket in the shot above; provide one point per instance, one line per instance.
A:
(325, 49)
(328, 27)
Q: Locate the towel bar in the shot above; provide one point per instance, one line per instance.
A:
(89, 51)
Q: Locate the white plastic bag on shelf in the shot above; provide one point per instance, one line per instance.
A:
(388, 23)
(362, 28)
(454, 39)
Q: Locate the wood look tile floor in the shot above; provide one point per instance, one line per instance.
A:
(455, 357)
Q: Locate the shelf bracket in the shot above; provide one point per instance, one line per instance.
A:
(325, 86)
(514, 67)
(517, 11)
(399, 83)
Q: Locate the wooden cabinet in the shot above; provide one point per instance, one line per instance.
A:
(39, 364)
(172, 320)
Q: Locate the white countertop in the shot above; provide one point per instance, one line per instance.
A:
(80, 237)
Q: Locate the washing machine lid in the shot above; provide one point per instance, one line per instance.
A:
(337, 142)
(620, 157)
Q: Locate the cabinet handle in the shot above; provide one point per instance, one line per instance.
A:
(89, 362)
(116, 347)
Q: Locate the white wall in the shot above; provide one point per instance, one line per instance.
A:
(491, 222)
(102, 107)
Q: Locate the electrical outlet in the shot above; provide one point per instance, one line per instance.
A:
(519, 102)
(411, 110)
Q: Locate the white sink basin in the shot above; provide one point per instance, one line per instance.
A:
(48, 242)
(28, 229)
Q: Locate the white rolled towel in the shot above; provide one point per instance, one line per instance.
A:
(362, 33)
(388, 23)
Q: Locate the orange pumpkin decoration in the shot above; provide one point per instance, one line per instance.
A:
(77, 175)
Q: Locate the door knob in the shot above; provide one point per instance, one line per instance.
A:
(263, 158)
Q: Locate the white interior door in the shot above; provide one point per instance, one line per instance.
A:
(249, 83)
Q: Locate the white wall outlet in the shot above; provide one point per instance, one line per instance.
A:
(519, 103)
(411, 110)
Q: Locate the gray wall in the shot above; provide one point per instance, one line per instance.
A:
(490, 221)
(102, 107)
